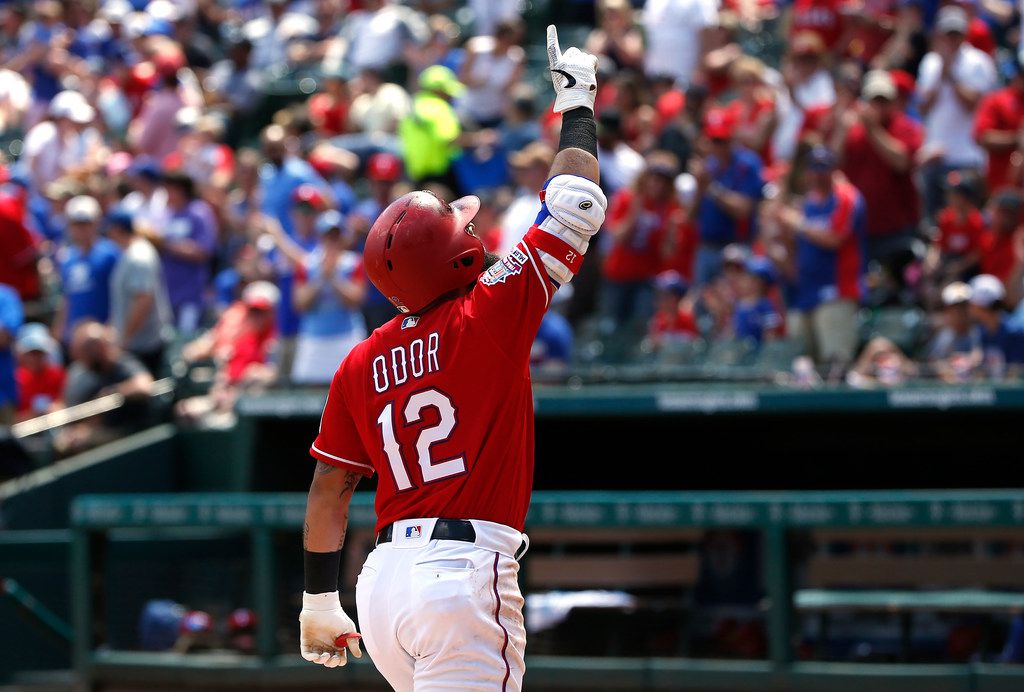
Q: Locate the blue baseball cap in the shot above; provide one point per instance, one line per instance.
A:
(145, 168)
(328, 221)
(671, 282)
(120, 217)
(763, 268)
(820, 159)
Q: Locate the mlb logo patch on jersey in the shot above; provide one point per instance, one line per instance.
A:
(410, 322)
(413, 531)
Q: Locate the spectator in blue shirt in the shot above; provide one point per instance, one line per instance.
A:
(282, 174)
(1002, 342)
(11, 317)
(86, 264)
(729, 186)
(754, 317)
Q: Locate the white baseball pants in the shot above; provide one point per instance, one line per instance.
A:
(442, 615)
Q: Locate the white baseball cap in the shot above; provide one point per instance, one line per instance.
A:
(73, 106)
(986, 290)
(82, 208)
(956, 293)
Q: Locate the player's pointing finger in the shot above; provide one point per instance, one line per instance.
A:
(554, 52)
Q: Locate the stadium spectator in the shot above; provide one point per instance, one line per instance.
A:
(645, 222)
(997, 128)
(491, 66)
(955, 352)
(951, 80)
(955, 253)
(619, 162)
(729, 186)
(19, 249)
(329, 290)
(616, 37)
(243, 345)
(673, 321)
(430, 132)
(284, 173)
(829, 267)
(233, 84)
(997, 246)
(529, 172)
(808, 87)
(753, 110)
(39, 373)
(140, 310)
(677, 37)
(1002, 342)
(377, 106)
(877, 143)
(11, 316)
(377, 34)
(755, 317)
(881, 363)
(186, 245)
(63, 144)
(153, 132)
(100, 367)
(86, 263)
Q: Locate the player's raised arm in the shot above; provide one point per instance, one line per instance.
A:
(573, 204)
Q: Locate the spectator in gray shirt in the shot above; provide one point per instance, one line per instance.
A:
(139, 308)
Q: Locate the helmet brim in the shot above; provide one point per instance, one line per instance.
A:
(466, 209)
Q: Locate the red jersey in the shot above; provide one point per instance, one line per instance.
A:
(680, 323)
(38, 390)
(441, 404)
(747, 115)
(1000, 111)
(997, 256)
(638, 254)
(823, 17)
(890, 196)
(17, 250)
(960, 236)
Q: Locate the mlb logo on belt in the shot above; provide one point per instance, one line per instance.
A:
(413, 531)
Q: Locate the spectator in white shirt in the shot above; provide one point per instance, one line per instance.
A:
(620, 163)
(62, 144)
(529, 171)
(676, 33)
(808, 85)
(951, 81)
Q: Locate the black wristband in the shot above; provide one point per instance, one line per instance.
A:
(322, 571)
(579, 130)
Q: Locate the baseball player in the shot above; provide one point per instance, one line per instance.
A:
(438, 402)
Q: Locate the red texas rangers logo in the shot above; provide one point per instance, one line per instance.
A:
(510, 266)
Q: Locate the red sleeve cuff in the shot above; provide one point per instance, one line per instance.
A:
(340, 462)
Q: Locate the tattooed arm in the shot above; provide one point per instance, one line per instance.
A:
(327, 508)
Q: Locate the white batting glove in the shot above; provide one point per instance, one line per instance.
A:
(574, 74)
(326, 633)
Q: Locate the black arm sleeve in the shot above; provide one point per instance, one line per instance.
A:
(579, 131)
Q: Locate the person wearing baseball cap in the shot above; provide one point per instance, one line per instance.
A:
(729, 182)
(877, 142)
(1002, 341)
(140, 310)
(429, 133)
(328, 294)
(673, 321)
(952, 79)
(39, 374)
(955, 252)
(48, 143)
(955, 352)
(828, 232)
(997, 125)
(754, 315)
(997, 248)
(85, 268)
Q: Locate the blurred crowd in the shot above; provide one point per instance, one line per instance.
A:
(188, 183)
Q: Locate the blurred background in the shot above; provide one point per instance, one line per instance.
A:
(776, 411)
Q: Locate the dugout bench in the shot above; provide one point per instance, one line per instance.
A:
(555, 517)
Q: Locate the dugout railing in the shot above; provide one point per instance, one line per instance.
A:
(775, 515)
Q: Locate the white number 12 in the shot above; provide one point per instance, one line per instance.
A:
(429, 436)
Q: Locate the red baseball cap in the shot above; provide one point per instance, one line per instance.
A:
(718, 124)
(904, 82)
(384, 166)
(309, 195)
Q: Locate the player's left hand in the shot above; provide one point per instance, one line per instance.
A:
(573, 74)
(326, 633)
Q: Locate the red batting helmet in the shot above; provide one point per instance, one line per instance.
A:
(420, 248)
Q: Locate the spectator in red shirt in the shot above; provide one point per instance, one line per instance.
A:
(997, 128)
(328, 110)
(40, 379)
(18, 249)
(643, 225)
(997, 255)
(673, 321)
(956, 250)
(823, 17)
(753, 111)
(877, 142)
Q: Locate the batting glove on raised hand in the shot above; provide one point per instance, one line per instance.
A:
(574, 74)
(326, 633)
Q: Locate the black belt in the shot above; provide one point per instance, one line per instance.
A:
(444, 530)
